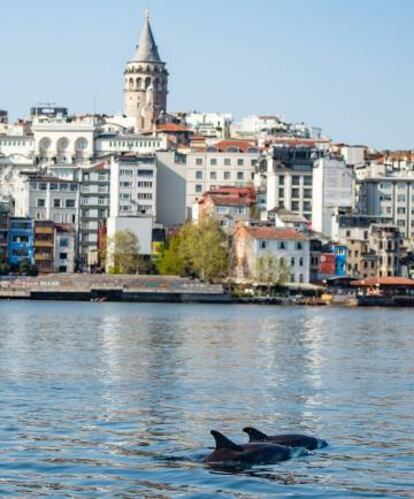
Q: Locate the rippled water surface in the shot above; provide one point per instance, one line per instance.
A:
(106, 400)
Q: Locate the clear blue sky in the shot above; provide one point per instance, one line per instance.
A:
(344, 65)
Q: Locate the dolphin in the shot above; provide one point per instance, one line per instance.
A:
(227, 452)
(290, 440)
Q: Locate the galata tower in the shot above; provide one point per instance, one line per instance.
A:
(146, 82)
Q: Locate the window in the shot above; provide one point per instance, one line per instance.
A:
(227, 175)
(126, 184)
(281, 193)
(64, 243)
(42, 187)
(307, 181)
(56, 203)
(307, 193)
(282, 180)
(199, 188)
(299, 246)
(63, 187)
(241, 211)
(295, 193)
(295, 180)
(227, 162)
(63, 256)
(292, 262)
(145, 173)
(41, 203)
(73, 187)
(300, 262)
(213, 162)
(240, 162)
(240, 175)
(264, 244)
(144, 195)
(213, 175)
(70, 203)
(295, 205)
(199, 175)
(53, 187)
(199, 161)
(282, 245)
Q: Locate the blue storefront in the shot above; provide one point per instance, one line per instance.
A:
(340, 251)
(20, 241)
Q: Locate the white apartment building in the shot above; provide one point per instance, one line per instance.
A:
(64, 248)
(135, 144)
(17, 148)
(289, 179)
(391, 197)
(212, 125)
(333, 188)
(133, 186)
(226, 164)
(94, 208)
(288, 247)
(47, 198)
(171, 188)
(64, 140)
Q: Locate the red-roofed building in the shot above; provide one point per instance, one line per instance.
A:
(181, 134)
(287, 249)
(228, 205)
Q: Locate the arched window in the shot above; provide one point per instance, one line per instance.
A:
(139, 83)
(147, 82)
(156, 83)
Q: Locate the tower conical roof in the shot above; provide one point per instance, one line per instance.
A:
(147, 50)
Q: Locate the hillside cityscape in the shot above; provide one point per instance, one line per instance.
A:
(292, 206)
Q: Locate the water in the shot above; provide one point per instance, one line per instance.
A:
(110, 400)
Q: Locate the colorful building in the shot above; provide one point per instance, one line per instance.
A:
(21, 241)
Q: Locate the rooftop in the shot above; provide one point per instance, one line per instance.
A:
(275, 233)
(383, 281)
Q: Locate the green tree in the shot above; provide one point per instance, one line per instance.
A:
(272, 271)
(27, 268)
(123, 253)
(200, 250)
(4, 266)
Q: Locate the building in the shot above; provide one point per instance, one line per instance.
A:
(133, 186)
(211, 125)
(386, 242)
(390, 196)
(44, 245)
(141, 226)
(4, 117)
(4, 227)
(146, 82)
(227, 205)
(47, 198)
(64, 140)
(94, 208)
(288, 247)
(171, 188)
(227, 163)
(20, 244)
(65, 251)
(289, 178)
(333, 188)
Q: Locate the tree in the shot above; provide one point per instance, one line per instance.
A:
(272, 271)
(123, 253)
(200, 250)
(4, 266)
(26, 268)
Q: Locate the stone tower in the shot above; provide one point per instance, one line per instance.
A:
(146, 82)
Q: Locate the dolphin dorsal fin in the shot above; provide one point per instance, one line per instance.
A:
(255, 435)
(223, 442)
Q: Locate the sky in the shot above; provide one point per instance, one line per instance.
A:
(346, 66)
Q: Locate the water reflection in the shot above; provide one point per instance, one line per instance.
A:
(127, 394)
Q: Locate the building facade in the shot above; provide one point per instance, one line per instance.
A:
(288, 247)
